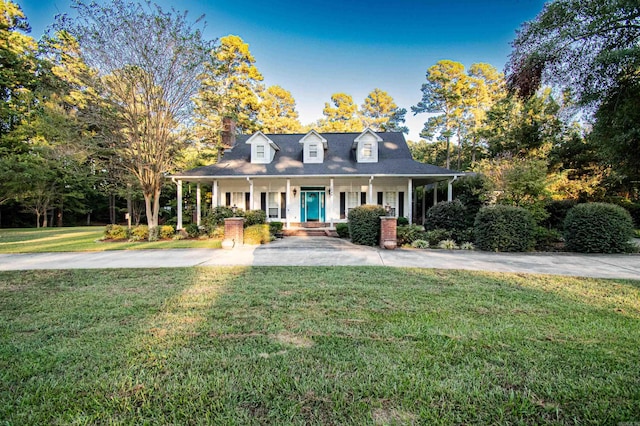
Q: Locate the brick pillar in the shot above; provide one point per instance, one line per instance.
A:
(233, 232)
(388, 236)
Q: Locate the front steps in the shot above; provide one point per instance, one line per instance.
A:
(309, 229)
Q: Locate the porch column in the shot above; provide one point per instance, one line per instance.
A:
(370, 198)
(250, 194)
(288, 198)
(410, 199)
(331, 198)
(450, 190)
(424, 203)
(179, 204)
(214, 195)
(435, 193)
(198, 204)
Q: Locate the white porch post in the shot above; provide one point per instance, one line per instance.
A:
(450, 190)
(214, 195)
(179, 204)
(198, 204)
(370, 198)
(424, 203)
(331, 199)
(288, 198)
(435, 193)
(250, 194)
(410, 198)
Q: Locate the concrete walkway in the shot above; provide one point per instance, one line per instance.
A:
(322, 251)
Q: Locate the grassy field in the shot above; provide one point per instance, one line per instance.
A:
(340, 345)
(82, 238)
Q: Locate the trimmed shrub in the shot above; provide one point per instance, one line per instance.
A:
(436, 235)
(215, 217)
(275, 227)
(546, 239)
(257, 234)
(116, 232)
(140, 233)
(343, 230)
(598, 228)
(449, 215)
(402, 221)
(557, 211)
(167, 232)
(364, 224)
(504, 228)
(254, 217)
(409, 233)
(192, 230)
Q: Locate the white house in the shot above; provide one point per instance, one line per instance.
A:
(314, 178)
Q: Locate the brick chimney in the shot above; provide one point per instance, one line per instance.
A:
(228, 132)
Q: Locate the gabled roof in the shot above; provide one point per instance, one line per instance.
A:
(258, 135)
(394, 159)
(362, 135)
(314, 136)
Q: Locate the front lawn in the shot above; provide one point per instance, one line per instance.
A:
(334, 345)
(81, 238)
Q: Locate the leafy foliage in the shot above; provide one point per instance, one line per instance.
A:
(420, 244)
(257, 234)
(254, 217)
(598, 228)
(364, 224)
(504, 228)
(407, 234)
(277, 112)
(434, 236)
(343, 230)
(449, 215)
(116, 232)
(167, 232)
(341, 117)
(380, 113)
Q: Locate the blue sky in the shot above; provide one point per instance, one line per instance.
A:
(316, 48)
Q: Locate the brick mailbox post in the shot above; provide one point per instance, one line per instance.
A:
(388, 234)
(233, 232)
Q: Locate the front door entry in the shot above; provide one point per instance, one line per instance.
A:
(312, 206)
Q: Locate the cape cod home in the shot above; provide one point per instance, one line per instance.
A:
(313, 179)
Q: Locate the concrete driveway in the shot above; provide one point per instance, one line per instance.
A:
(323, 251)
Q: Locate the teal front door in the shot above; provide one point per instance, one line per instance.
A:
(312, 206)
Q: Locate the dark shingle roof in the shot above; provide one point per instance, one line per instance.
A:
(394, 158)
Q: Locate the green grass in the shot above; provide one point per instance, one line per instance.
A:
(342, 345)
(84, 238)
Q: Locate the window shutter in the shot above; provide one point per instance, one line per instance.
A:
(343, 205)
(363, 198)
(247, 201)
(283, 205)
(380, 198)
(400, 204)
(263, 201)
(227, 197)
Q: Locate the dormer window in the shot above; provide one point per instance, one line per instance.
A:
(366, 146)
(313, 151)
(313, 147)
(263, 149)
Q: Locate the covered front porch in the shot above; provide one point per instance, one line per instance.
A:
(300, 201)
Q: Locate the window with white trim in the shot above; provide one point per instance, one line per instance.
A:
(313, 150)
(273, 205)
(390, 199)
(260, 151)
(367, 150)
(352, 200)
(238, 200)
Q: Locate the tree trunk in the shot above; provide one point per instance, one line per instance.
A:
(60, 215)
(112, 208)
(448, 158)
(147, 206)
(37, 219)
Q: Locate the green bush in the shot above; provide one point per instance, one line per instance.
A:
(192, 230)
(116, 232)
(167, 232)
(546, 239)
(471, 191)
(598, 228)
(557, 211)
(275, 227)
(448, 245)
(364, 224)
(343, 230)
(409, 233)
(402, 221)
(217, 232)
(436, 235)
(215, 217)
(140, 233)
(449, 215)
(421, 244)
(504, 228)
(257, 234)
(254, 217)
